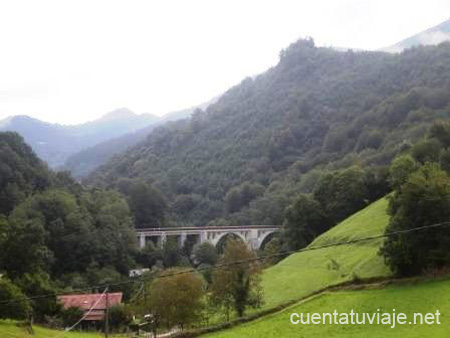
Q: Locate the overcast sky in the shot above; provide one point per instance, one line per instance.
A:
(73, 61)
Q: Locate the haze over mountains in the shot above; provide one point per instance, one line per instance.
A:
(82, 163)
(97, 140)
(431, 36)
(54, 143)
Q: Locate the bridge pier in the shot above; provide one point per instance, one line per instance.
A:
(252, 240)
(142, 242)
(161, 240)
(181, 239)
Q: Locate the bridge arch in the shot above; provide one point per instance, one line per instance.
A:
(266, 238)
(220, 239)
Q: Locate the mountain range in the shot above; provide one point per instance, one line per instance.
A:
(83, 147)
(54, 143)
(85, 161)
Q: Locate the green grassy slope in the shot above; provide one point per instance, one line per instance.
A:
(9, 329)
(425, 297)
(301, 274)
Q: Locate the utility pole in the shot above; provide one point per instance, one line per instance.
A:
(107, 315)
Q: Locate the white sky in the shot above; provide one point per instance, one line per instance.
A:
(72, 61)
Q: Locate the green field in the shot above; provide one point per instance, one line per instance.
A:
(301, 274)
(425, 297)
(9, 329)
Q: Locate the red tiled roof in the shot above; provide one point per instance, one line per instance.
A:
(86, 301)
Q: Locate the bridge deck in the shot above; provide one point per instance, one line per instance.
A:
(217, 228)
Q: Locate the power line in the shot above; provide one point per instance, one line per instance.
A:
(238, 262)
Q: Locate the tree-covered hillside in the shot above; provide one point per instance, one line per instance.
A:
(291, 130)
(21, 172)
(54, 233)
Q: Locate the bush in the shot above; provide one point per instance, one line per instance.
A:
(19, 307)
(71, 315)
(119, 317)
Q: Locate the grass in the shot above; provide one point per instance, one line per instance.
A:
(304, 273)
(425, 297)
(9, 329)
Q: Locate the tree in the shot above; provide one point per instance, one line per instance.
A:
(342, 193)
(305, 219)
(37, 284)
(400, 169)
(240, 196)
(170, 253)
(64, 233)
(424, 199)
(426, 150)
(237, 285)
(114, 243)
(205, 253)
(176, 298)
(25, 241)
(147, 204)
(119, 317)
(3, 237)
(18, 307)
(441, 131)
(149, 255)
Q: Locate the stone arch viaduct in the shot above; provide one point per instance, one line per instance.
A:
(253, 235)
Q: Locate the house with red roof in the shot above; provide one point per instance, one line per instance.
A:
(93, 305)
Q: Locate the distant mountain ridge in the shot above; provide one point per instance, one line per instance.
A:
(83, 147)
(431, 36)
(54, 143)
(84, 162)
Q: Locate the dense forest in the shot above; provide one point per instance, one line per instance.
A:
(55, 234)
(318, 120)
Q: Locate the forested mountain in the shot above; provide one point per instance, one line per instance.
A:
(54, 143)
(432, 36)
(85, 161)
(55, 234)
(22, 173)
(269, 138)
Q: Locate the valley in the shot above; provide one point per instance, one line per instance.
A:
(321, 184)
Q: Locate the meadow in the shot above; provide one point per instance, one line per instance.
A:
(10, 329)
(409, 298)
(304, 273)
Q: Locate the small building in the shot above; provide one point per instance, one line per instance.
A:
(95, 302)
(137, 272)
